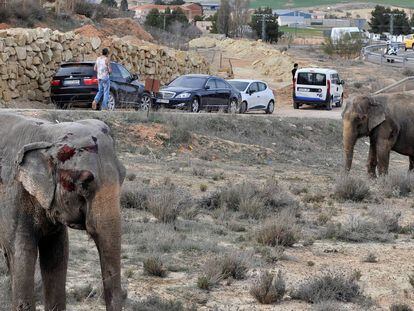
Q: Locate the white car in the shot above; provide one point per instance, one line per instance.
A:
(318, 87)
(256, 95)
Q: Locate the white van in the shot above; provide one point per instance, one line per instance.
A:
(317, 87)
(337, 33)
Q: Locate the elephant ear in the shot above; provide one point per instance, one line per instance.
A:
(376, 113)
(35, 172)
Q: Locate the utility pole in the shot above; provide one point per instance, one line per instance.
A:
(263, 27)
(392, 15)
(164, 20)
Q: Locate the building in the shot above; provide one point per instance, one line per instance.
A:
(204, 26)
(292, 13)
(289, 20)
(191, 10)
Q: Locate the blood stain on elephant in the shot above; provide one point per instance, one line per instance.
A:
(66, 180)
(65, 153)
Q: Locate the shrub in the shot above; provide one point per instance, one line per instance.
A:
(210, 276)
(203, 187)
(372, 258)
(400, 307)
(346, 46)
(153, 266)
(80, 293)
(327, 306)
(164, 205)
(397, 185)
(27, 10)
(252, 200)
(268, 289)
(350, 188)
(328, 286)
(357, 85)
(281, 230)
(411, 279)
(137, 199)
(131, 176)
(155, 303)
(180, 134)
(359, 229)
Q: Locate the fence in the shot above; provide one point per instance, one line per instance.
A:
(376, 54)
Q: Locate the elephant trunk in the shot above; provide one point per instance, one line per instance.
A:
(104, 225)
(349, 140)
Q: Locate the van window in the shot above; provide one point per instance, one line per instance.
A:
(311, 78)
(335, 78)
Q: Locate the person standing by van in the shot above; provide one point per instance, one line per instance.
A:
(295, 68)
(103, 69)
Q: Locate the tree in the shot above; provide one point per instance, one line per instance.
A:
(380, 21)
(177, 2)
(111, 3)
(154, 19)
(159, 2)
(223, 18)
(124, 5)
(271, 26)
(239, 17)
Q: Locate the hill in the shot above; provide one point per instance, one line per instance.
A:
(280, 4)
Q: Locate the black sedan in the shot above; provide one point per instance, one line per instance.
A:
(76, 84)
(196, 92)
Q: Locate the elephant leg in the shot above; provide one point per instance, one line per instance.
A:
(383, 155)
(372, 159)
(22, 264)
(53, 254)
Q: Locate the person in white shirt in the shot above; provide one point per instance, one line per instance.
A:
(103, 69)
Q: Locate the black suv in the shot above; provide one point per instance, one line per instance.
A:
(196, 92)
(75, 85)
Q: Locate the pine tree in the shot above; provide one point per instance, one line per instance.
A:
(124, 5)
(111, 3)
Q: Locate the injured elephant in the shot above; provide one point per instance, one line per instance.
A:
(55, 176)
(388, 120)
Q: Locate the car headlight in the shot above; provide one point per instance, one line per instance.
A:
(183, 95)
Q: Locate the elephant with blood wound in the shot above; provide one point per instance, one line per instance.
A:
(55, 176)
(388, 121)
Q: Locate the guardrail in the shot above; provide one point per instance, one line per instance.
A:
(394, 85)
(376, 54)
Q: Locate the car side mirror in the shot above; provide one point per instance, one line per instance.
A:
(342, 82)
(134, 77)
(251, 92)
(207, 87)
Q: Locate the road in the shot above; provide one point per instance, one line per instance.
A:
(283, 111)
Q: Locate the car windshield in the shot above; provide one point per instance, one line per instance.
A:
(311, 78)
(189, 82)
(76, 70)
(239, 85)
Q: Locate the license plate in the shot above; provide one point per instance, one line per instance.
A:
(71, 82)
(301, 89)
(163, 101)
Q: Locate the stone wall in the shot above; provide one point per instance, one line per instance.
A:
(30, 57)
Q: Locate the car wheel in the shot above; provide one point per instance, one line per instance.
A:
(339, 104)
(295, 105)
(412, 46)
(195, 105)
(243, 107)
(232, 106)
(112, 101)
(329, 104)
(145, 102)
(270, 107)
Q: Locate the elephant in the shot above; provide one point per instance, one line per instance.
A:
(54, 176)
(388, 120)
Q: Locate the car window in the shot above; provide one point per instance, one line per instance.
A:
(254, 87)
(211, 83)
(262, 87)
(76, 70)
(189, 82)
(239, 85)
(311, 78)
(221, 84)
(335, 78)
(115, 71)
(124, 73)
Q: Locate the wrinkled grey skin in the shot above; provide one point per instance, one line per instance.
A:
(55, 176)
(388, 120)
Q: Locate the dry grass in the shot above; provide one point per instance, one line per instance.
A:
(397, 184)
(153, 266)
(329, 286)
(282, 231)
(400, 307)
(348, 188)
(154, 303)
(269, 289)
(164, 205)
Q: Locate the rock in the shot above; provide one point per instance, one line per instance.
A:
(95, 42)
(21, 52)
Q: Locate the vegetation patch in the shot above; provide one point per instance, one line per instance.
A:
(280, 231)
(269, 289)
(349, 188)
